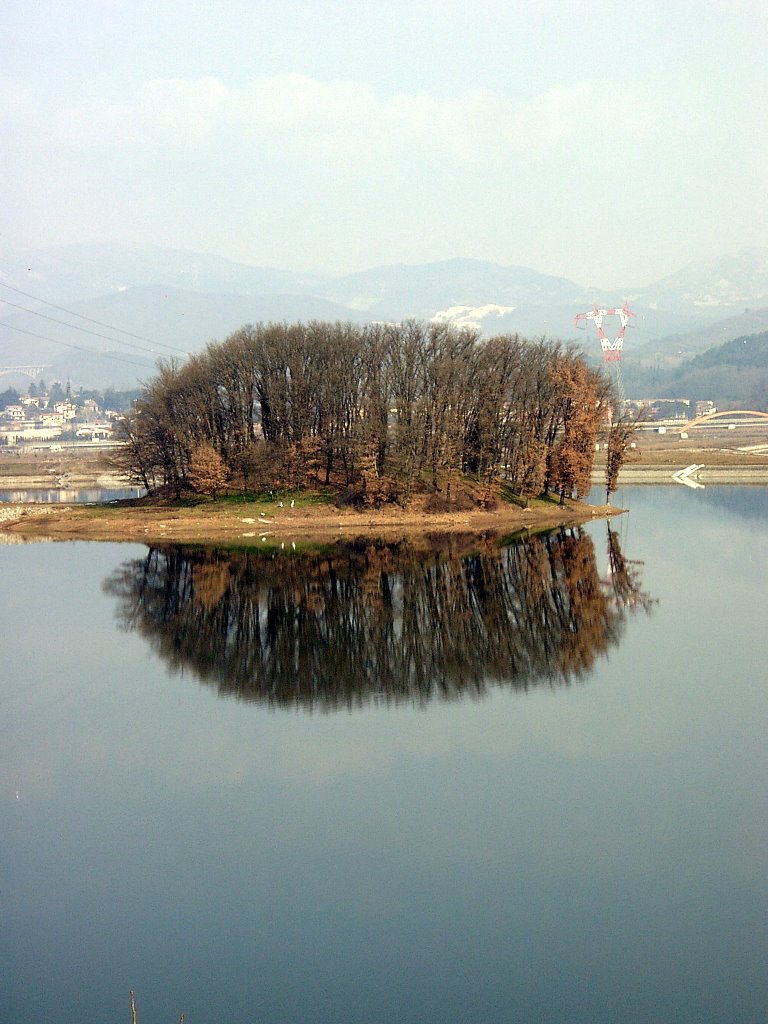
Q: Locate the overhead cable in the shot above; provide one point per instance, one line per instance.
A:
(82, 316)
(80, 348)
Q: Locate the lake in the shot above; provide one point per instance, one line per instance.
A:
(433, 782)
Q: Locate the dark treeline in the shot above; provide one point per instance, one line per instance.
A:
(373, 411)
(374, 621)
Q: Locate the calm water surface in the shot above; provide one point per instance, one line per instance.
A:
(383, 785)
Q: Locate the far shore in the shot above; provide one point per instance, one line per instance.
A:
(711, 471)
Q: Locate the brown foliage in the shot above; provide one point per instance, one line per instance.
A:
(207, 471)
(581, 405)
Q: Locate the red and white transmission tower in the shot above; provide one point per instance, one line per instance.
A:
(612, 349)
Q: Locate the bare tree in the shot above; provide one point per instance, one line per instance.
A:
(620, 434)
(376, 411)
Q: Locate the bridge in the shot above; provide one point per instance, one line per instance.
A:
(726, 418)
(29, 370)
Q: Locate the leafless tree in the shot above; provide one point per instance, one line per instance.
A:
(376, 411)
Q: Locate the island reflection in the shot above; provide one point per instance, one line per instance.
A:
(375, 621)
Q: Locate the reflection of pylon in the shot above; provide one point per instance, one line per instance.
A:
(612, 349)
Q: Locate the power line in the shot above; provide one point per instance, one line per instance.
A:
(80, 348)
(84, 330)
(71, 312)
(82, 316)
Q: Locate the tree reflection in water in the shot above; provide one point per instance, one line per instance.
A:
(370, 620)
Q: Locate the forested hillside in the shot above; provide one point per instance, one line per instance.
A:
(734, 374)
(747, 352)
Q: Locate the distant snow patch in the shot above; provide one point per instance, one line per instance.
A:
(470, 316)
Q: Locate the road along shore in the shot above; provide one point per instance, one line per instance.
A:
(704, 474)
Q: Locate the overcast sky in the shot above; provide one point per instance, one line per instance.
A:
(611, 143)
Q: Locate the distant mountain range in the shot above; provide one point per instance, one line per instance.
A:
(134, 304)
(722, 285)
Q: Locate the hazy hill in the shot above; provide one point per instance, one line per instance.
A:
(177, 301)
(70, 273)
(539, 304)
(748, 353)
(695, 295)
(734, 374)
(674, 347)
(715, 287)
(153, 322)
(419, 291)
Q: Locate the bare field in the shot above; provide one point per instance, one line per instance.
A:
(712, 447)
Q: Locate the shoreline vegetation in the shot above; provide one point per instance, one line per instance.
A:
(243, 521)
(263, 522)
(238, 520)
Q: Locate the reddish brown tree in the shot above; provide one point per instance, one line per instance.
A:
(207, 471)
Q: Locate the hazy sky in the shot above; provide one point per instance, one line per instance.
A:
(608, 142)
